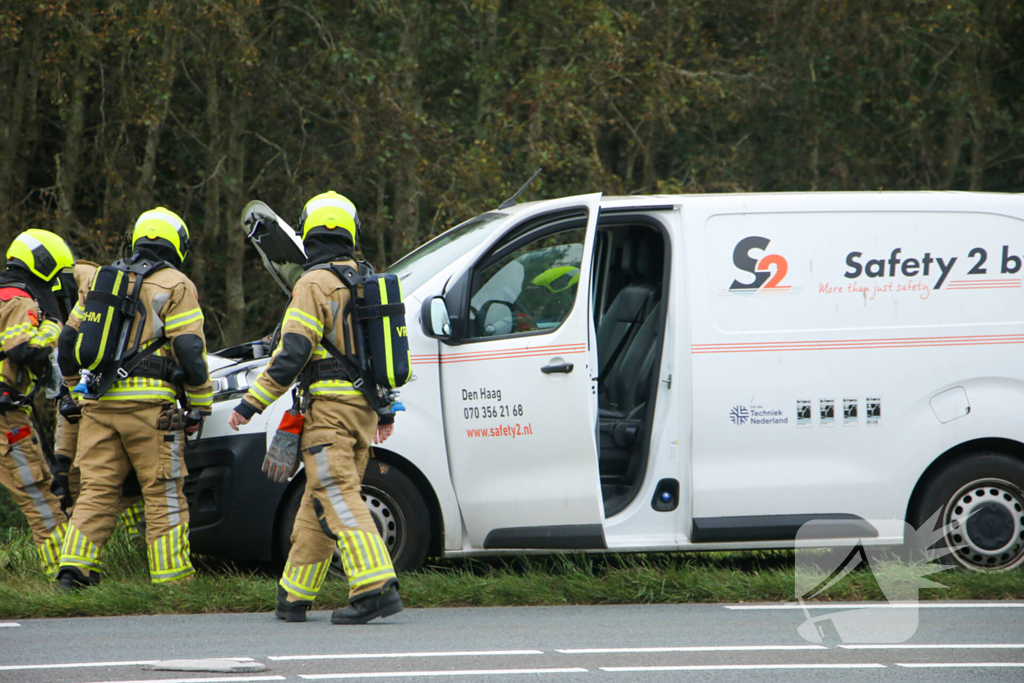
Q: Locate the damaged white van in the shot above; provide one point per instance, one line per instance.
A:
(677, 373)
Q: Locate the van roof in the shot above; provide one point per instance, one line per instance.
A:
(913, 200)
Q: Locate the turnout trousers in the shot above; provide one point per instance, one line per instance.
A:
(23, 472)
(130, 510)
(336, 440)
(114, 438)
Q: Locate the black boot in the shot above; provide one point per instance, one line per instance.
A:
(291, 611)
(365, 608)
(72, 578)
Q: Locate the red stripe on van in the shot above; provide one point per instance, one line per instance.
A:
(507, 354)
(855, 344)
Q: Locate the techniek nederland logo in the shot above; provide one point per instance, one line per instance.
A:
(900, 577)
(739, 415)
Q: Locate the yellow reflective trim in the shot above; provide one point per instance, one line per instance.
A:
(305, 319)
(131, 393)
(336, 387)
(200, 399)
(175, 321)
(386, 320)
(106, 327)
(261, 394)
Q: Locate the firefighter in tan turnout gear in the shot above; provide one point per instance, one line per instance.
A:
(338, 428)
(129, 416)
(30, 327)
(130, 509)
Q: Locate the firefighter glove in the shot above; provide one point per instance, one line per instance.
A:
(283, 455)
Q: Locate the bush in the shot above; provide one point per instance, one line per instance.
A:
(10, 514)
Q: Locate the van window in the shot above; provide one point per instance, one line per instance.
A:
(530, 289)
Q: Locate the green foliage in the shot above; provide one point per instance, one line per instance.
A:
(11, 516)
(426, 113)
(528, 580)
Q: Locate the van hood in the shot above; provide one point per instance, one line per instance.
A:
(278, 245)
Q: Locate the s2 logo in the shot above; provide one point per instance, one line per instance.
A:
(760, 269)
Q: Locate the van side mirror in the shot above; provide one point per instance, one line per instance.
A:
(435, 319)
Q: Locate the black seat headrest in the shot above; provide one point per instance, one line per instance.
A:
(628, 257)
(648, 258)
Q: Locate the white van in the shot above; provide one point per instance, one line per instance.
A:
(688, 372)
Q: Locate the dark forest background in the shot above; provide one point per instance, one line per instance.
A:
(427, 112)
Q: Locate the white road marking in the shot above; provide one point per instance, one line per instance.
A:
(955, 646)
(83, 665)
(219, 679)
(738, 667)
(694, 648)
(9, 624)
(961, 665)
(465, 672)
(395, 655)
(880, 605)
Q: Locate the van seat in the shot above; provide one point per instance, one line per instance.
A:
(622, 405)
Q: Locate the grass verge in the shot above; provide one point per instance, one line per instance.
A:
(550, 580)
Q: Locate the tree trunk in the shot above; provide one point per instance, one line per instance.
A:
(71, 157)
(147, 174)
(18, 62)
(234, 247)
(211, 199)
(407, 176)
(815, 152)
(956, 125)
(485, 59)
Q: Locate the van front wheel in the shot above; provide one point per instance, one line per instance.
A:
(981, 498)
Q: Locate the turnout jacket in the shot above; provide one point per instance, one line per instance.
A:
(27, 340)
(172, 310)
(316, 311)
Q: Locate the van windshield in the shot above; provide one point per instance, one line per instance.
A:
(427, 261)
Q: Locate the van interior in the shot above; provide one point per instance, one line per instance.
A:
(629, 307)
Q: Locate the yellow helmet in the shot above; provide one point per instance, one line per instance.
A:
(558, 279)
(330, 211)
(162, 225)
(41, 252)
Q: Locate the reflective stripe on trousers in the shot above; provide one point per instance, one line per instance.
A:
(333, 491)
(304, 581)
(169, 556)
(134, 519)
(32, 487)
(79, 551)
(49, 551)
(365, 558)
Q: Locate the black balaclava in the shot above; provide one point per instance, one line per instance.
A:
(325, 246)
(156, 250)
(41, 290)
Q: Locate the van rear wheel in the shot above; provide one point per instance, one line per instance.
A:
(981, 498)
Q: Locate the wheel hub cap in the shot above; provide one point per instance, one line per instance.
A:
(986, 521)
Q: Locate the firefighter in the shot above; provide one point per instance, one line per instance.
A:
(339, 425)
(29, 318)
(67, 479)
(136, 422)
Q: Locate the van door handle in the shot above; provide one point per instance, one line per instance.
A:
(565, 368)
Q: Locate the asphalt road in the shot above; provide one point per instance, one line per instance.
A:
(953, 642)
